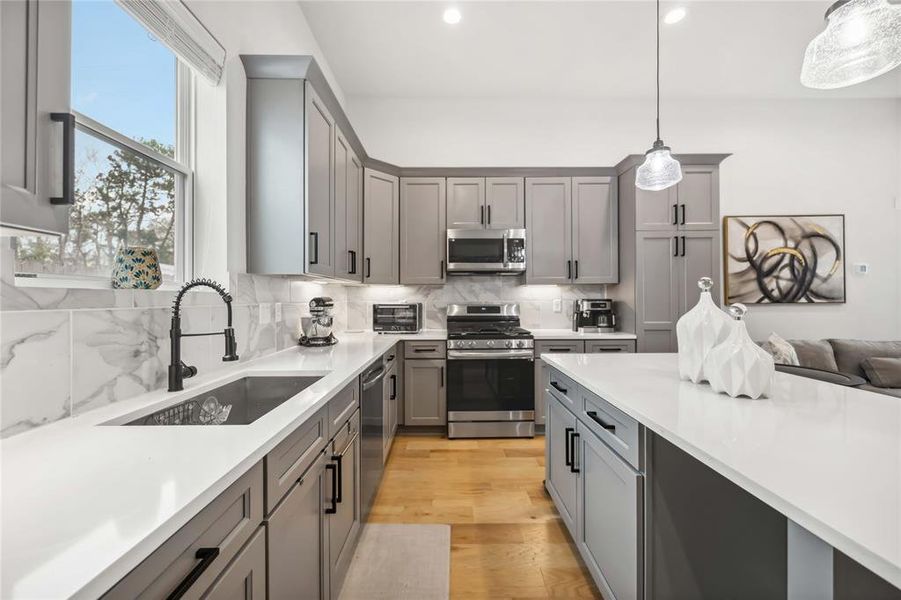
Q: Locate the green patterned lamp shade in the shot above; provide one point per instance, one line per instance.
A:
(137, 268)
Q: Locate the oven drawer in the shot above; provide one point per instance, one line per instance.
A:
(563, 388)
(617, 429)
(425, 349)
(555, 346)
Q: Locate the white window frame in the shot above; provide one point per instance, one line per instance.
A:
(182, 165)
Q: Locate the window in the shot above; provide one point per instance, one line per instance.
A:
(131, 177)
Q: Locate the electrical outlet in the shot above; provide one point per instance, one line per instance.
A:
(558, 305)
(265, 314)
(862, 268)
(278, 312)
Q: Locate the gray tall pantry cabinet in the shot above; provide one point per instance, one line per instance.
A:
(668, 240)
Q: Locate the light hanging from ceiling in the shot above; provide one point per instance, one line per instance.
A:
(862, 40)
(659, 170)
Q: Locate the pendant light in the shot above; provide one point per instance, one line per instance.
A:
(659, 170)
(862, 40)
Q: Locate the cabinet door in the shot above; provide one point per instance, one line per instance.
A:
(610, 494)
(657, 290)
(423, 230)
(656, 211)
(698, 195)
(35, 43)
(319, 179)
(699, 256)
(560, 478)
(505, 206)
(348, 209)
(296, 540)
(549, 234)
(344, 524)
(425, 399)
(595, 230)
(381, 243)
(245, 577)
(465, 202)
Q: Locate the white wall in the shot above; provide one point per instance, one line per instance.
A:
(789, 156)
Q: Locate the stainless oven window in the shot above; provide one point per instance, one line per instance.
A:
(474, 250)
(490, 385)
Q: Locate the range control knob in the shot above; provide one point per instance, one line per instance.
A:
(508, 343)
(490, 342)
(520, 344)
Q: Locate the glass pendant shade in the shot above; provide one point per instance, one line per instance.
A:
(862, 40)
(659, 169)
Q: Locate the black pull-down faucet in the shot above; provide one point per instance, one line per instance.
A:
(178, 370)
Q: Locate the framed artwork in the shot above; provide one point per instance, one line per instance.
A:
(785, 259)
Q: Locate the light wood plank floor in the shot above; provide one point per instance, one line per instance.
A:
(507, 540)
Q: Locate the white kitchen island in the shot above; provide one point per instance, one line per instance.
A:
(826, 457)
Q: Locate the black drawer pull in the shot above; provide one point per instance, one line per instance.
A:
(557, 387)
(568, 458)
(573, 466)
(432, 349)
(334, 507)
(559, 349)
(594, 417)
(602, 349)
(206, 556)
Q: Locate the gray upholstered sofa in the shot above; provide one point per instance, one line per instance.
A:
(851, 357)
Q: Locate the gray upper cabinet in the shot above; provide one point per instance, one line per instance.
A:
(465, 202)
(381, 237)
(595, 230)
(549, 234)
(35, 42)
(699, 202)
(656, 211)
(657, 291)
(504, 203)
(348, 186)
(319, 181)
(423, 230)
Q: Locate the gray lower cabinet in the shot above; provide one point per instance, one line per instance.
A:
(348, 187)
(425, 392)
(345, 522)
(561, 476)
(381, 233)
(35, 45)
(319, 173)
(423, 230)
(245, 577)
(549, 347)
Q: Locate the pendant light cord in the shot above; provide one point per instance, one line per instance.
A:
(658, 70)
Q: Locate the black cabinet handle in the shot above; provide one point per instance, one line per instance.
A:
(314, 235)
(339, 460)
(682, 220)
(568, 458)
(577, 270)
(442, 268)
(594, 417)
(560, 350)
(352, 256)
(442, 376)
(676, 246)
(68, 121)
(481, 215)
(206, 556)
(675, 214)
(368, 267)
(334, 507)
(602, 349)
(557, 387)
(393, 388)
(572, 439)
(569, 269)
(683, 246)
(489, 214)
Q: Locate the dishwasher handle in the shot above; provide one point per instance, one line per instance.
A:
(375, 377)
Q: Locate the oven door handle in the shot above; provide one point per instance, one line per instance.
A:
(523, 354)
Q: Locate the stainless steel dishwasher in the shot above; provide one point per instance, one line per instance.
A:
(372, 411)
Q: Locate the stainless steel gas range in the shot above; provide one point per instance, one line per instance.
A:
(490, 372)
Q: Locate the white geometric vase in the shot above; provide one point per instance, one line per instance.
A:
(698, 331)
(738, 366)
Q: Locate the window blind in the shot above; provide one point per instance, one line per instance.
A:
(177, 27)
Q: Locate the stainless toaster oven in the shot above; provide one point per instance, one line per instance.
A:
(397, 318)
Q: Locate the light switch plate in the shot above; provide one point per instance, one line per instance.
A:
(558, 305)
(265, 314)
(862, 268)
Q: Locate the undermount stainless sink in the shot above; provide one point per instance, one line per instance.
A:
(237, 403)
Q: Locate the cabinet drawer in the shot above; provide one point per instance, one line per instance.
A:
(424, 349)
(597, 346)
(287, 461)
(617, 429)
(342, 406)
(551, 346)
(346, 434)
(564, 389)
(245, 577)
(224, 525)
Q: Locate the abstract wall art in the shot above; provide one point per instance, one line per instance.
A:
(786, 259)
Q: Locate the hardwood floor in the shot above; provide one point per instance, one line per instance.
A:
(507, 541)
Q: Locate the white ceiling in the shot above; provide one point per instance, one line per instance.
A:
(573, 49)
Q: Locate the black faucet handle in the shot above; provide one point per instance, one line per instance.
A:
(188, 370)
(231, 346)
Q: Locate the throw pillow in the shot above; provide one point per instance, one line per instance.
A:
(883, 372)
(783, 352)
(816, 354)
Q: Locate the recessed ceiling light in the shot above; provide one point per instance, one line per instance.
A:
(452, 16)
(674, 16)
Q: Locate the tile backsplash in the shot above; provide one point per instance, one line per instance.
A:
(66, 351)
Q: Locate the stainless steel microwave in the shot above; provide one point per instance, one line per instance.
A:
(486, 250)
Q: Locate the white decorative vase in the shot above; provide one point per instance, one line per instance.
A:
(738, 366)
(698, 331)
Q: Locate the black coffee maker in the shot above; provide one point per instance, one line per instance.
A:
(594, 316)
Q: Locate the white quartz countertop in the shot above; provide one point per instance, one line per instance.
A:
(83, 502)
(828, 457)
